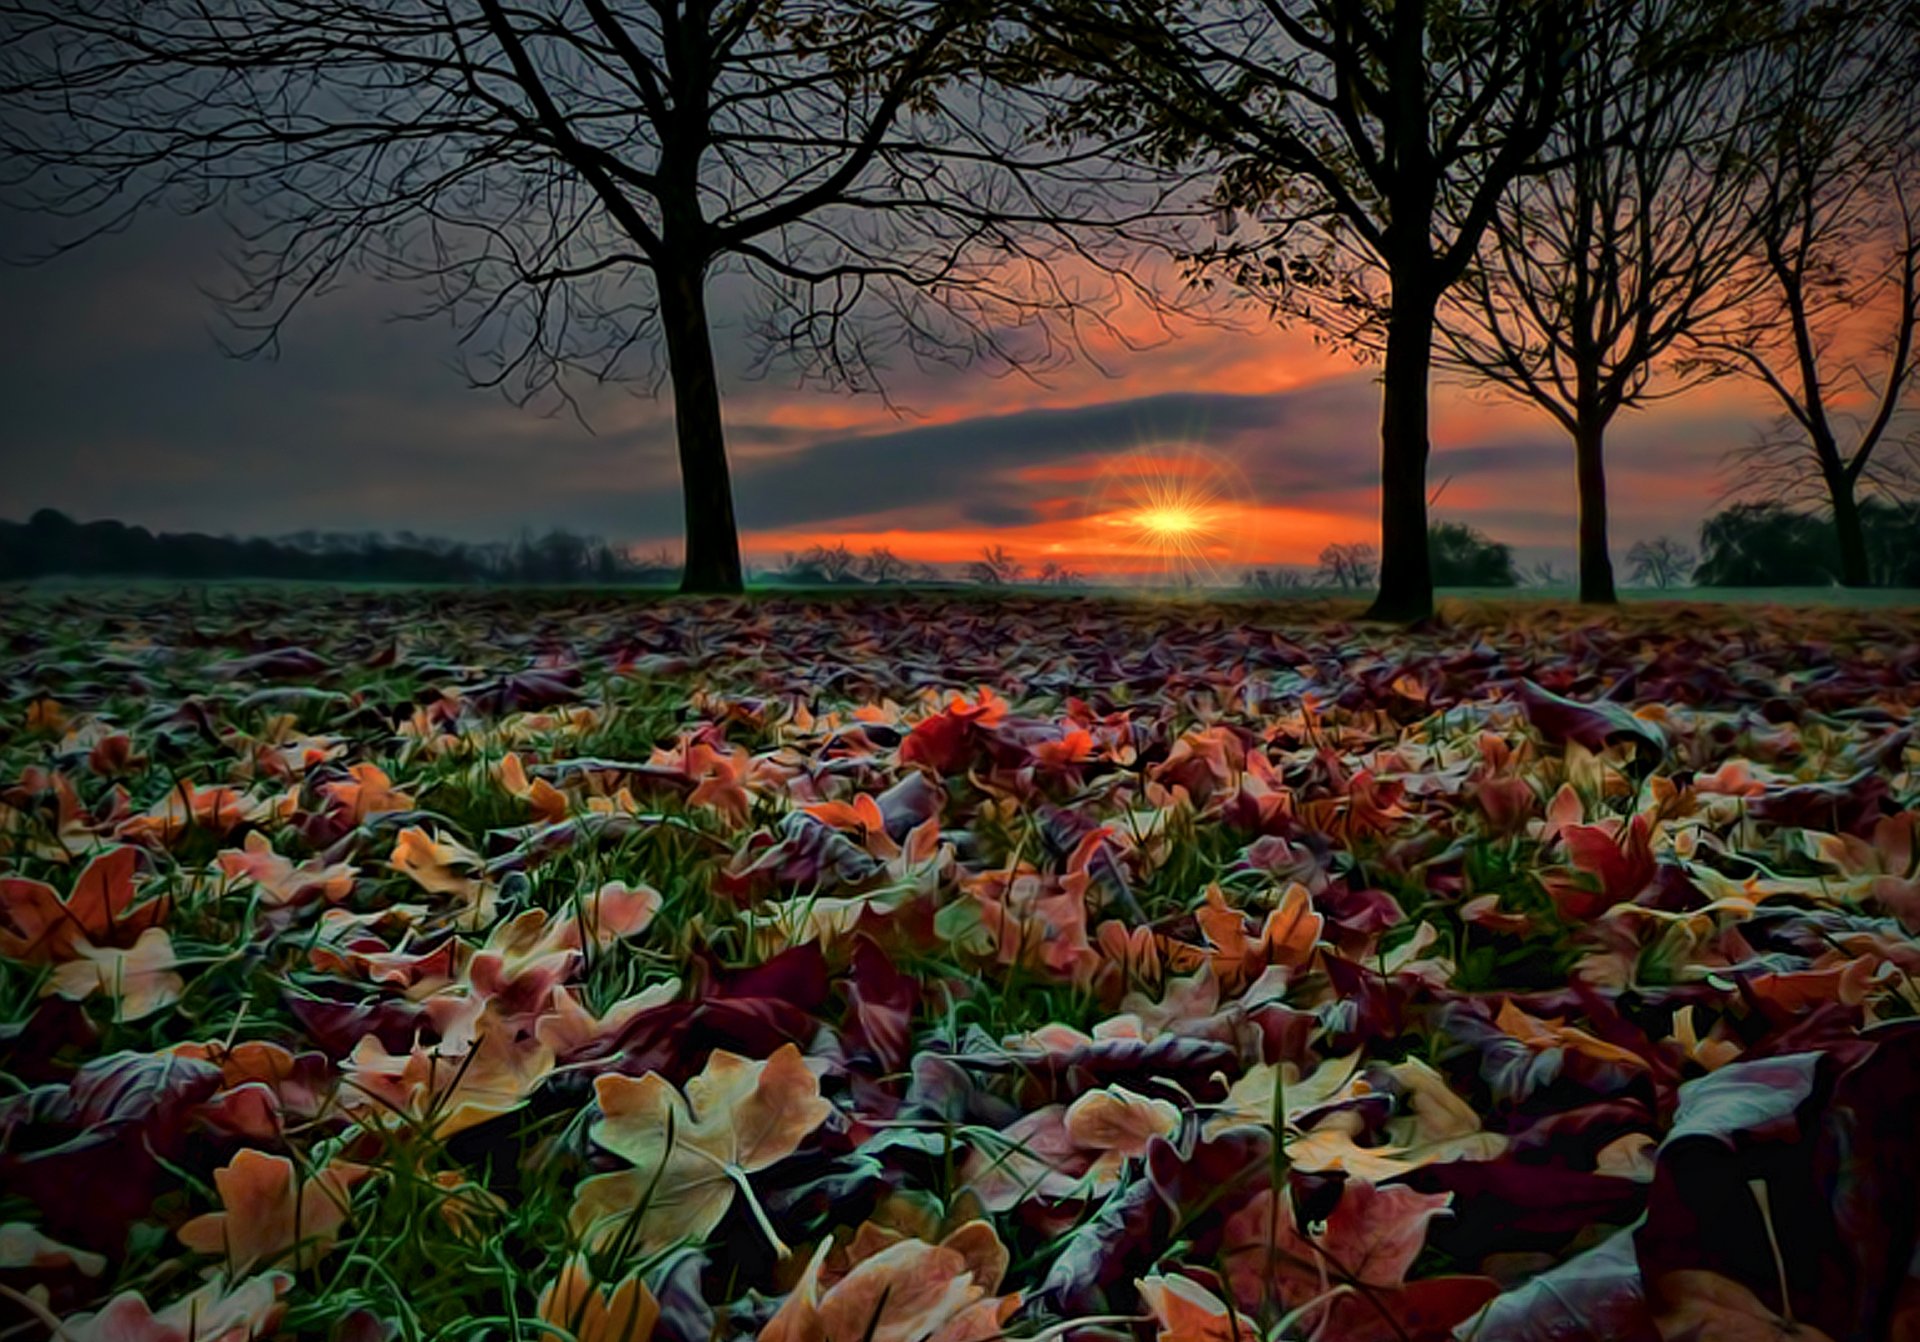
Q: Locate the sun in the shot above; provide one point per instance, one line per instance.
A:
(1174, 518)
(1172, 522)
(1168, 512)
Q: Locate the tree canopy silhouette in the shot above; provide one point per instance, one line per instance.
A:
(1360, 151)
(1595, 269)
(1832, 326)
(565, 180)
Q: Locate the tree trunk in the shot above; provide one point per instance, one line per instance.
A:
(1590, 471)
(1854, 571)
(706, 487)
(1406, 573)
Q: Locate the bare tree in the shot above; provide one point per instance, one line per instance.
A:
(1662, 562)
(1347, 566)
(1365, 144)
(882, 565)
(565, 180)
(1837, 257)
(1594, 270)
(995, 567)
(836, 563)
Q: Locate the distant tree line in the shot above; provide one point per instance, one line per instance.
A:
(1767, 544)
(50, 543)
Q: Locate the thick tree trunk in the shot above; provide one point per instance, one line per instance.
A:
(1590, 471)
(1406, 573)
(1854, 571)
(706, 486)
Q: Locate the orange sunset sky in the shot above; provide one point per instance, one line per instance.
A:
(122, 405)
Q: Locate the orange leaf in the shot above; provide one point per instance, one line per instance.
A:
(593, 1313)
(269, 1211)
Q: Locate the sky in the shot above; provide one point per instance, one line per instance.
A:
(120, 403)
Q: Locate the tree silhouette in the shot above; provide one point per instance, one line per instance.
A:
(1359, 150)
(995, 567)
(1837, 250)
(1594, 270)
(882, 565)
(1662, 562)
(1347, 566)
(564, 181)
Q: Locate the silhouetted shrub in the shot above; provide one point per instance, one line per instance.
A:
(1772, 545)
(1462, 557)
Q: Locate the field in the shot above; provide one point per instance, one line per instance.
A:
(927, 968)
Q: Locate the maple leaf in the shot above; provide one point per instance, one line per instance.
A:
(281, 883)
(1185, 1311)
(1022, 916)
(1117, 1121)
(1441, 1127)
(37, 925)
(693, 1154)
(442, 866)
(1621, 865)
(721, 781)
(215, 1312)
(1249, 1103)
(1065, 1151)
(1699, 1306)
(1541, 1035)
(366, 791)
(71, 831)
(1885, 868)
(944, 741)
(269, 1213)
(614, 911)
(565, 1025)
(301, 1082)
(1287, 938)
(1371, 1236)
(909, 1291)
(574, 1302)
(186, 807)
(448, 1088)
(23, 1246)
(139, 980)
(549, 803)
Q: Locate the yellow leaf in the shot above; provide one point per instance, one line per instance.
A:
(694, 1153)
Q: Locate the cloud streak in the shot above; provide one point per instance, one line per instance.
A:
(121, 405)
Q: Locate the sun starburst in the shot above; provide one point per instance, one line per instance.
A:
(1167, 515)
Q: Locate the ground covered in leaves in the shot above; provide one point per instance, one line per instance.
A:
(924, 969)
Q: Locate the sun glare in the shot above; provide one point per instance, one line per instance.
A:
(1168, 514)
(1171, 522)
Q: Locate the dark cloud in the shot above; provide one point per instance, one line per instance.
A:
(1296, 444)
(991, 513)
(117, 402)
